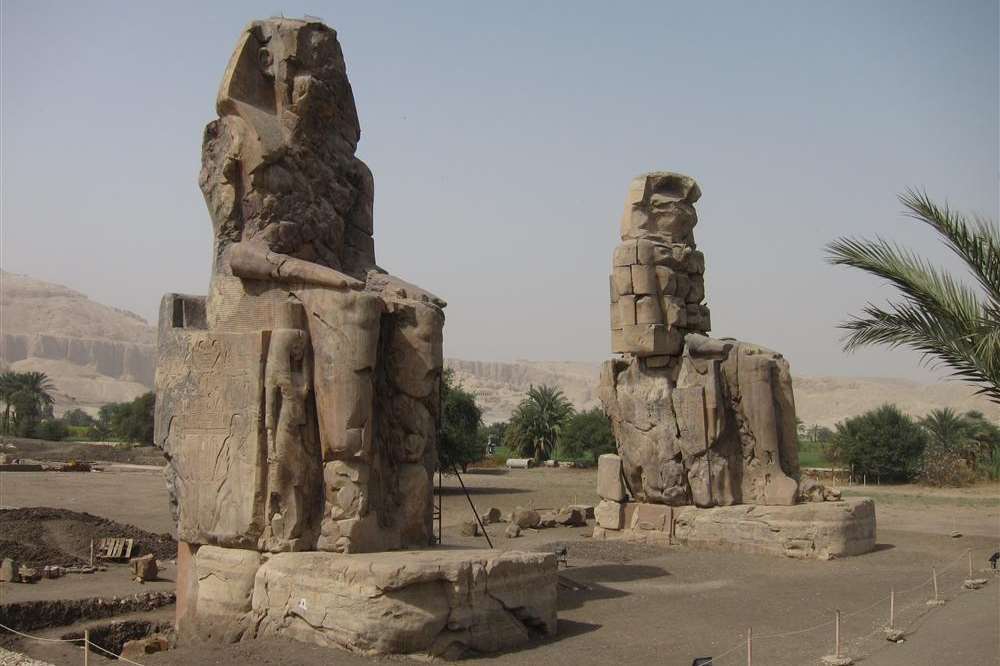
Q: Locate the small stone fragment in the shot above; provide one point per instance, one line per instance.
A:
(512, 531)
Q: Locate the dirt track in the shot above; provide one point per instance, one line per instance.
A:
(669, 606)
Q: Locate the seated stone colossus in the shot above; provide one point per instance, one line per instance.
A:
(298, 402)
(698, 420)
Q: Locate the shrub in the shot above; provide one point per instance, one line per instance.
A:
(585, 436)
(53, 430)
(883, 443)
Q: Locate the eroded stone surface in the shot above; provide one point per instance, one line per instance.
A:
(439, 603)
(697, 420)
(814, 530)
(298, 402)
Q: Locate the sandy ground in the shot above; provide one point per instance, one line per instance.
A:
(665, 606)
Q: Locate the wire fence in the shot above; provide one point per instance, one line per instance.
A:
(881, 623)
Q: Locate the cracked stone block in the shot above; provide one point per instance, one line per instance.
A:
(438, 603)
(609, 515)
(816, 530)
(609, 478)
(224, 587)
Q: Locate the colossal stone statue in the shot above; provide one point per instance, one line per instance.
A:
(701, 422)
(329, 441)
(298, 403)
(698, 420)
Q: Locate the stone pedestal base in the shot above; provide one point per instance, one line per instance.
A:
(432, 602)
(816, 530)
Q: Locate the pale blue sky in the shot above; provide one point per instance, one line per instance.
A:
(503, 136)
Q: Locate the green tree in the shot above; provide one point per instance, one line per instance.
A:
(537, 421)
(27, 398)
(128, 421)
(79, 419)
(948, 321)
(883, 443)
(587, 435)
(54, 430)
(460, 439)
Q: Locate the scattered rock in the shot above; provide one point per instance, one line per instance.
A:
(144, 568)
(492, 516)
(512, 531)
(141, 647)
(956, 535)
(546, 519)
(571, 517)
(470, 528)
(525, 518)
(9, 571)
(586, 509)
(974, 583)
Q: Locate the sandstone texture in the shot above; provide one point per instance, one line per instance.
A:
(298, 402)
(697, 420)
(438, 603)
(821, 531)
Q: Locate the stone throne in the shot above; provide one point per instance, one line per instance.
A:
(698, 420)
(298, 403)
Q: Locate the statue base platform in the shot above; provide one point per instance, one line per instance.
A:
(815, 530)
(440, 602)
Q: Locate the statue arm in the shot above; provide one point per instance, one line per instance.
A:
(255, 262)
(391, 286)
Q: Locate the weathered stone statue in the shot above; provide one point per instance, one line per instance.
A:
(298, 403)
(698, 420)
(347, 358)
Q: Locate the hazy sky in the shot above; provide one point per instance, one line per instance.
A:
(503, 136)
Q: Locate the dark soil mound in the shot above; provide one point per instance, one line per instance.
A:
(38, 536)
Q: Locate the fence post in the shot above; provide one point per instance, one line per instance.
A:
(892, 608)
(836, 650)
(86, 647)
(749, 646)
(934, 576)
(970, 563)
(91, 552)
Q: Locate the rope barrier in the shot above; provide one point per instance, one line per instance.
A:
(742, 644)
(70, 640)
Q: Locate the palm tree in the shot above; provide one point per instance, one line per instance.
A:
(537, 421)
(8, 386)
(945, 426)
(30, 396)
(951, 323)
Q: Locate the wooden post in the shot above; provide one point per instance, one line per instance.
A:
(934, 576)
(749, 646)
(892, 608)
(86, 647)
(836, 637)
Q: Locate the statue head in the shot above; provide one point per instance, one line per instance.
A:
(287, 77)
(660, 208)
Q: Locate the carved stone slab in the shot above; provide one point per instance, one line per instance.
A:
(210, 388)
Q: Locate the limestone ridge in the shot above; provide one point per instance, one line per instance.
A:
(93, 353)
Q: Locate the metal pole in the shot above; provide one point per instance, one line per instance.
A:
(837, 636)
(892, 608)
(749, 646)
(474, 512)
(934, 576)
(86, 647)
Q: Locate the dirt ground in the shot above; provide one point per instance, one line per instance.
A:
(638, 605)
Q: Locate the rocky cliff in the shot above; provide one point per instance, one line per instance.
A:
(93, 353)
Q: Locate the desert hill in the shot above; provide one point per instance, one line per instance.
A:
(818, 400)
(97, 354)
(93, 353)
